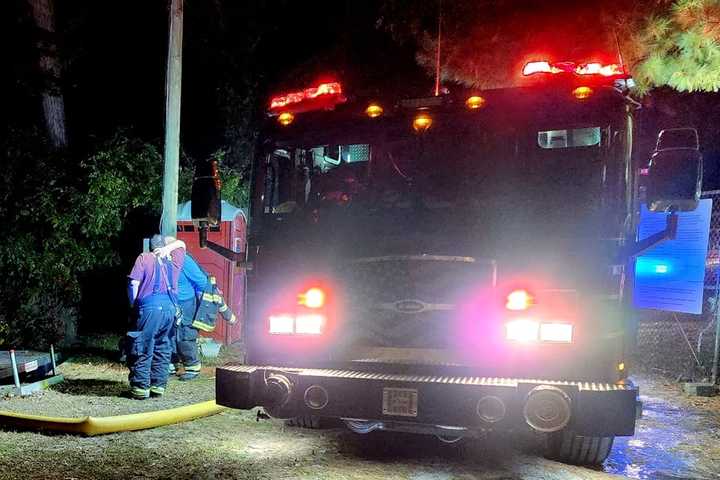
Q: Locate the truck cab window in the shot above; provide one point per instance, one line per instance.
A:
(279, 182)
(338, 171)
(295, 177)
(571, 138)
(327, 157)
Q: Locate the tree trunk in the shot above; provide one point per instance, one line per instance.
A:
(50, 68)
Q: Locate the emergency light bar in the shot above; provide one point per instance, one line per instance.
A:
(324, 95)
(610, 70)
(592, 68)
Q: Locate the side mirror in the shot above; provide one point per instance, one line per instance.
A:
(675, 172)
(205, 199)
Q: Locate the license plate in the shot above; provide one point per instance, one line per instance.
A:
(400, 402)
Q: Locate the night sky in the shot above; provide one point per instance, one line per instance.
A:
(114, 56)
(114, 59)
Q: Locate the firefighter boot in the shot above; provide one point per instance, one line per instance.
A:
(139, 393)
(157, 391)
(191, 372)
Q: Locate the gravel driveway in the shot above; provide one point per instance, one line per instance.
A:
(677, 438)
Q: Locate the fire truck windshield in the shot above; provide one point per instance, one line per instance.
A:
(463, 167)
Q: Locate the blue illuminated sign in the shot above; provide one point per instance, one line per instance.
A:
(671, 275)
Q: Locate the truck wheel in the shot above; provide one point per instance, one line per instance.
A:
(304, 421)
(567, 447)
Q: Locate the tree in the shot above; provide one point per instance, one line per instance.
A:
(221, 53)
(677, 46)
(53, 103)
(66, 223)
(484, 43)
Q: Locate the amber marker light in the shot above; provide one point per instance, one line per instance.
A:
(475, 102)
(285, 118)
(313, 298)
(519, 300)
(374, 110)
(582, 93)
(422, 122)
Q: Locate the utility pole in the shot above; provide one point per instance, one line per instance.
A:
(173, 82)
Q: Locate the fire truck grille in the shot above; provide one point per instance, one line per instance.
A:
(410, 301)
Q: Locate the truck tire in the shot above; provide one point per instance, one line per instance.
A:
(304, 421)
(567, 447)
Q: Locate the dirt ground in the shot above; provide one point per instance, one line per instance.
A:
(678, 438)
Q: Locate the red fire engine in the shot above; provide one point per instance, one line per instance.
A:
(455, 264)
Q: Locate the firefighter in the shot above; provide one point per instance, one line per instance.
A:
(211, 303)
(152, 287)
(191, 285)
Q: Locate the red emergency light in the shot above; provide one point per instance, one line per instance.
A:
(596, 68)
(324, 95)
(591, 68)
(532, 68)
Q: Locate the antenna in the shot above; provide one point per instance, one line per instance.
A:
(437, 59)
(617, 45)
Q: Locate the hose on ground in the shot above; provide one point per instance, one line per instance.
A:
(104, 425)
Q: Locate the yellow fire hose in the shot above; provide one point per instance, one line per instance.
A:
(118, 423)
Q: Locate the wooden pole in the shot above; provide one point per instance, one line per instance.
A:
(173, 83)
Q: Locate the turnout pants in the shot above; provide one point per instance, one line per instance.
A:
(184, 338)
(149, 348)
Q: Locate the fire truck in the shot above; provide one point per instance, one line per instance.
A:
(454, 265)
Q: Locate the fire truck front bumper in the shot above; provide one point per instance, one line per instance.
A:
(446, 402)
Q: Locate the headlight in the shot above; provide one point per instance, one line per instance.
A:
(311, 324)
(302, 324)
(556, 332)
(282, 324)
(522, 330)
(525, 330)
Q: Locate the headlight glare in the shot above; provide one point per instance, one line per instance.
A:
(556, 332)
(528, 330)
(309, 324)
(282, 324)
(522, 330)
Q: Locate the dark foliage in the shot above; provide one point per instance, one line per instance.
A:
(73, 221)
